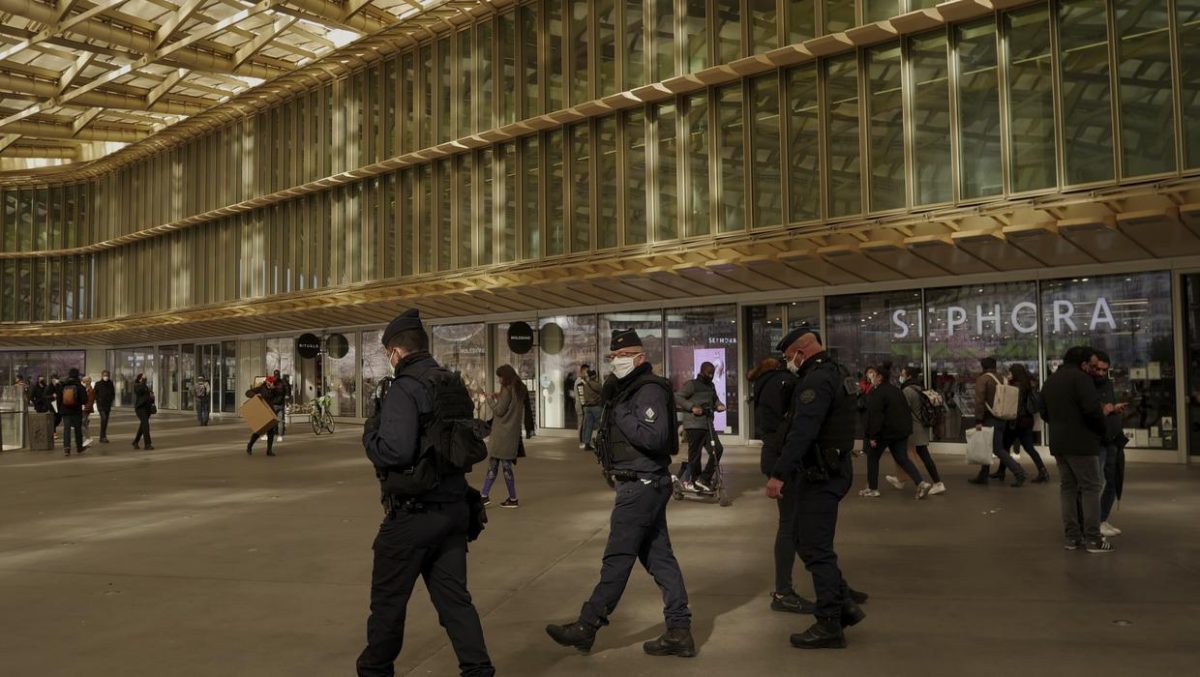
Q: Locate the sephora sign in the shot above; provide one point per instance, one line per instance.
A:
(991, 317)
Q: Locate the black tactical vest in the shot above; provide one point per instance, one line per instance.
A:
(622, 449)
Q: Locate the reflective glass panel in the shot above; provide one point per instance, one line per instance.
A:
(1030, 100)
(1086, 91)
(767, 182)
(841, 101)
(1146, 87)
(804, 144)
(978, 111)
(931, 119)
(886, 103)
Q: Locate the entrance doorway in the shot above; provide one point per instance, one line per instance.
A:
(1191, 333)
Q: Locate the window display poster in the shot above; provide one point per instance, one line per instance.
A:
(717, 357)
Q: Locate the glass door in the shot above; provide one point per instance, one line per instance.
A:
(208, 365)
(525, 364)
(229, 389)
(1191, 337)
(168, 371)
(187, 372)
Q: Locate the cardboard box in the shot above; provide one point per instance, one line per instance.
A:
(258, 415)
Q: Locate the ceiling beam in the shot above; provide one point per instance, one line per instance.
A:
(59, 27)
(163, 87)
(40, 89)
(68, 77)
(84, 120)
(8, 140)
(170, 26)
(47, 130)
(249, 49)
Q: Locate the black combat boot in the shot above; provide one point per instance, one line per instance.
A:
(852, 614)
(674, 642)
(858, 596)
(826, 633)
(578, 634)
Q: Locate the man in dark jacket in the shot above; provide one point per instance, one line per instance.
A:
(422, 535)
(273, 396)
(587, 394)
(637, 439)
(698, 403)
(106, 394)
(71, 397)
(39, 396)
(1112, 451)
(1072, 408)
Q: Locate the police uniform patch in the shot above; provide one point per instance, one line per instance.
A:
(650, 415)
(807, 396)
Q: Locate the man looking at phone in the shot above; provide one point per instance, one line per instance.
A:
(1112, 449)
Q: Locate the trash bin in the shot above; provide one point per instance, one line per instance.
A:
(40, 428)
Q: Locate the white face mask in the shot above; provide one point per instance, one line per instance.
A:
(622, 366)
(792, 366)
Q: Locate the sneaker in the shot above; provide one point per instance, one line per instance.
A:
(894, 481)
(1101, 545)
(688, 486)
(486, 500)
(869, 493)
(1108, 531)
(87, 442)
(510, 503)
(790, 602)
(1043, 476)
(66, 452)
(937, 488)
(1018, 481)
(582, 445)
(923, 490)
(703, 486)
(1073, 544)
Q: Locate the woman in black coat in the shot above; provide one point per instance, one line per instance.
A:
(889, 425)
(143, 406)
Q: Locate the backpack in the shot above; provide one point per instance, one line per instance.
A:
(930, 410)
(1006, 403)
(451, 437)
(71, 398)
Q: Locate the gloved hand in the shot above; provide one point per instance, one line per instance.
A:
(609, 391)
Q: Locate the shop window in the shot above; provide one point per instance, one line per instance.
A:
(648, 324)
(566, 342)
(375, 367)
(706, 334)
(868, 329)
(462, 348)
(1128, 317)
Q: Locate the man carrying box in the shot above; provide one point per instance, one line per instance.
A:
(259, 413)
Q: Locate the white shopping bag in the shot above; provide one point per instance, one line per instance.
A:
(979, 446)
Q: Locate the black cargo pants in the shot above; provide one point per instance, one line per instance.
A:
(433, 545)
(638, 532)
(816, 523)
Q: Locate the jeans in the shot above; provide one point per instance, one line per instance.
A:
(899, 449)
(1080, 483)
(591, 421)
(930, 466)
(1001, 451)
(1109, 455)
(509, 480)
(431, 545)
(1024, 437)
(72, 421)
(638, 532)
(202, 409)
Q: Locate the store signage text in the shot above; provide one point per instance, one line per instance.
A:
(1023, 317)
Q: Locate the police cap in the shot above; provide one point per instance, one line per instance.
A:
(624, 338)
(409, 319)
(795, 335)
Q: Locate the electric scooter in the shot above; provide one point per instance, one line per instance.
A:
(683, 489)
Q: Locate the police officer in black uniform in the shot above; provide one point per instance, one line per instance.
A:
(815, 462)
(420, 536)
(634, 444)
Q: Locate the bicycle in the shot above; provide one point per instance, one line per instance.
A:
(718, 490)
(321, 418)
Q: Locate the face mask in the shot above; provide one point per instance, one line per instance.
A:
(622, 366)
(706, 378)
(792, 366)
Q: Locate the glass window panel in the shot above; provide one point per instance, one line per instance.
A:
(931, 119)
(804, 144)
(1128, 317)
(408, 220)
(801, 20)
(1146, 91)
(1030, 100)
(485, 105)
(466, 212)
(699, 189)
(605, 12)
(1086, 91)
(581, 182)
(445, 90)
(507, 198)
(462, 348)
(506, 42)
(978, 111)
(531, 164)
(841, 96)
(763, 16)
(487, 216)
(964, 324)
(556, 391)
(579, 45)
(733, 159)
(663, 13)
(390, 236)
(1187, 21)
(635, 178)
(607, 205)
(409, 92)
(555, 54)
(695, 31)
(879, 10)
(466, 82)
(839, 15)
(886, 103)
(556, 217)
(728, 17)
(706, 334)
(341, 380)
(649, 326)
(529, 61)
(633, 50)
(445, 229)
(667, 227)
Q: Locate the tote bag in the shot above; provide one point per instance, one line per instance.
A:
(979, 446)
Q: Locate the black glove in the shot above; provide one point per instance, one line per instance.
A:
(609, 391)
(372, 424)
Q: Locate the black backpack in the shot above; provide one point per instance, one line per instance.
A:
(451, 437)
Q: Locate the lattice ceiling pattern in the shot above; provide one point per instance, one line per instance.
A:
(83, 78)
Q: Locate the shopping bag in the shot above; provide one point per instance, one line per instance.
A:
(979, 446)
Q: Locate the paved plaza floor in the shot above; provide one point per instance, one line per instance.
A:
(194, 560)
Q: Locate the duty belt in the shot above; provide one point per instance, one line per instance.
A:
(654, 479)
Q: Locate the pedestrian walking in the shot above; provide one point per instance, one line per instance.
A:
(508, 415)
(144, 408)
(106, 394)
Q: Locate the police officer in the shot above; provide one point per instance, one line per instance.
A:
(635, 442)
(815, 462)
(422, 535)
